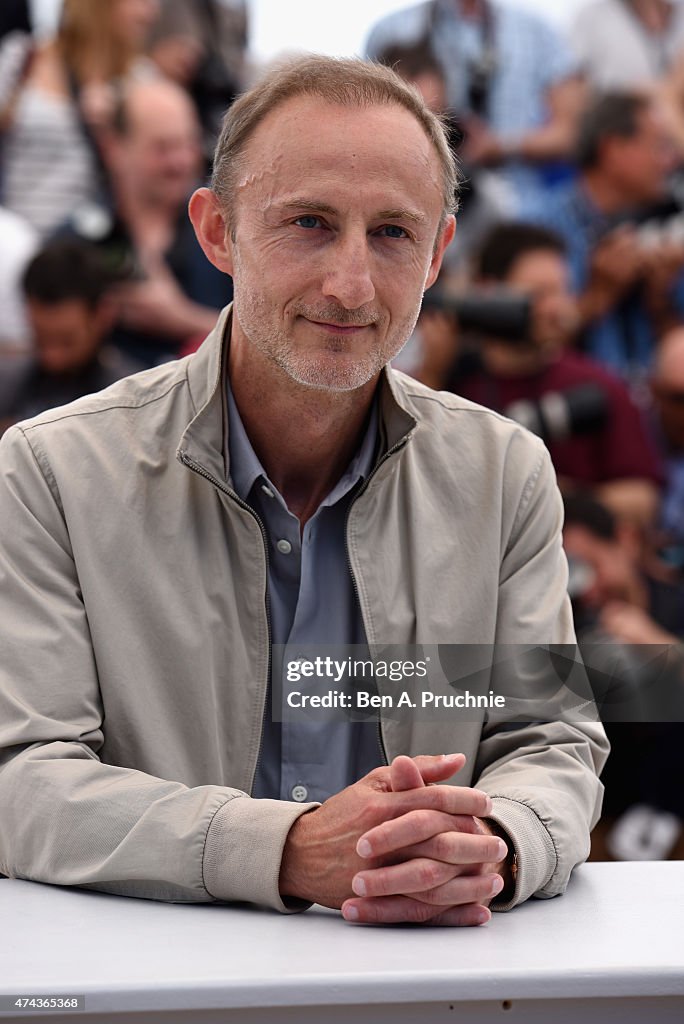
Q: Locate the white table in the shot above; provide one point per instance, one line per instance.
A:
(611, 949)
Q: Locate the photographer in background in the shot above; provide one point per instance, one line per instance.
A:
(511, 76)
(617, 220)
(605, 445)
(68, 292)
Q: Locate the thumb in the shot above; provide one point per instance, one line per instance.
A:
(405, 774)
(439, 768)
(416, 772)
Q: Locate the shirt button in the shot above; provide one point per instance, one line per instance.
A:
(299, 793)
(267, 491)
(284, 547)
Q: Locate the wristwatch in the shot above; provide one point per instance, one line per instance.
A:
(508, 891)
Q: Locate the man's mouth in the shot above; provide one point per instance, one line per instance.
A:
(336, 328)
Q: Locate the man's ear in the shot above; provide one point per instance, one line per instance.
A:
(444, 238)
(211, 229)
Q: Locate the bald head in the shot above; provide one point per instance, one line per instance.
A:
(153, 99)
(159, 139)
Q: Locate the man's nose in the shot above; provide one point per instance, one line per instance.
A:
(348, 278)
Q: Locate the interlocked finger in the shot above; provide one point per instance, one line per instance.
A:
(459, 848)
(466, 889)
(404, 909)
(412, 828)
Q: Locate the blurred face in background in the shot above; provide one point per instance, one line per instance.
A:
(543, 275)
(131, 20)
(67, 334)
(161, 150)
(640, 165)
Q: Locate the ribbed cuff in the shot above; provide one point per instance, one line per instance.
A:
(533, 845)
(244, 848)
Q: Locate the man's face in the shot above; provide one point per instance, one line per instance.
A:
(66, 334)
(543, 275)
(612, 567)
(335, 226)
(162, 148)
(640, 165)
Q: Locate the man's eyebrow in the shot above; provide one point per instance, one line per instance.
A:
(402, 214)
(396, 213)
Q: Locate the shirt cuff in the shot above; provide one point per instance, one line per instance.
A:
(533, 845)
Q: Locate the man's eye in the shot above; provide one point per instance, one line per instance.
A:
(308, 221)
(393, 231)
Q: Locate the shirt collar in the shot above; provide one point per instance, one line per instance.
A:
(246, 467)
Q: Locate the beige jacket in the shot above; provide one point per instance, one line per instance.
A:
(134, 638)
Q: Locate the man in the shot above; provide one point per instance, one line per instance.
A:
(599, 440)
(70, 311)
(281, 486)
(154, 156)
(510, 78)
(628, 277)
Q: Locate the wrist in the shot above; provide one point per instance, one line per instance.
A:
(289, 881)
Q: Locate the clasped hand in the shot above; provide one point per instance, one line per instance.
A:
(398, 846)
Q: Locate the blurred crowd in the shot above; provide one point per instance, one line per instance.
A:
(561, 302)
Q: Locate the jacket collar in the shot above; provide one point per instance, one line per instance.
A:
(204, 440)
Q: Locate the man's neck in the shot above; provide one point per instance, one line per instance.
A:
(304, 437)
(604, 194)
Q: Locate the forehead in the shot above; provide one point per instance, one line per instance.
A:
(380, 152)
(539, 265)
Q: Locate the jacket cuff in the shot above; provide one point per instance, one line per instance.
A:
(532, 843)
(243, 850)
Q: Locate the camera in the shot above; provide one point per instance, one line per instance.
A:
(561, 414)
(654, 233)
(498, 312)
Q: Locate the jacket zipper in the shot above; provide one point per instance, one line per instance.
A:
(197, 468)
(400, 444)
